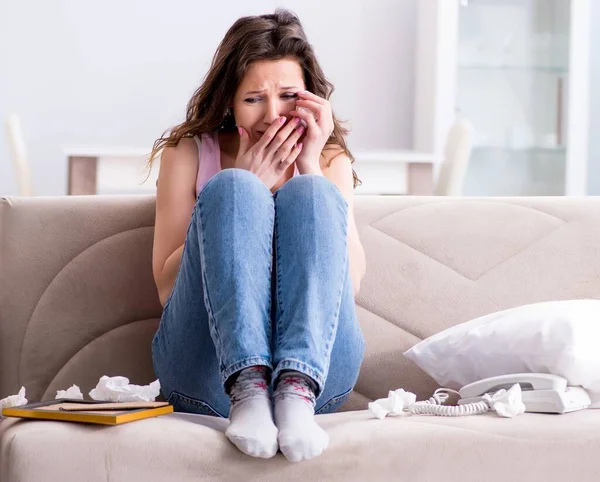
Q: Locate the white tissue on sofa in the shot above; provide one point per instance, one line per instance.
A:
(73, 392)
(14, 400)
(118, 389)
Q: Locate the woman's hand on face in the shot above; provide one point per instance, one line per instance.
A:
(316, 113)
(276, 150)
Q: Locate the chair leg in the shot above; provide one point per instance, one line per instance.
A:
(82, 175)
(420, 179)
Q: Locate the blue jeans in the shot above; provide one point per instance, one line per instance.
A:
(263, 280)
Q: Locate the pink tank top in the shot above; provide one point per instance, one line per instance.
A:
(209, 159)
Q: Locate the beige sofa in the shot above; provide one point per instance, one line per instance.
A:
(77, 301)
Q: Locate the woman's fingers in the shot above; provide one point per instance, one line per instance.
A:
(305, 94)
(282, 136)
(306, 116)
(269, 134)
(287, 147)
(286, 162)
(244, 142)
(315, 108)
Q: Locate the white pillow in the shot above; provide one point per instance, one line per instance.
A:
(559, 337)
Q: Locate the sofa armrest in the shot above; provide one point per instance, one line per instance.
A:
(74, 270)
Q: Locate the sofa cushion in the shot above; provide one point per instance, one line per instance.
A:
(185, 447)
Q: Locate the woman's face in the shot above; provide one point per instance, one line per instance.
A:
(267, 92)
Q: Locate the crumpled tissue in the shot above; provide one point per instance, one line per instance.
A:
(118, 389)
(74, 392)
(507, 403)
(13, 401)
(393, 405)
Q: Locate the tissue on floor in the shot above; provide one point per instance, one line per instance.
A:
(118, 389)
(74, 392)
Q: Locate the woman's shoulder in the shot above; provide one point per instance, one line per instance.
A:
(186, 151)
(331, 152)
(180, 161)
(186, 145)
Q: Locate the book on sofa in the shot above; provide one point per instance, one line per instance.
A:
(88, 411)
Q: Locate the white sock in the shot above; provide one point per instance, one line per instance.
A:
(251, 427)
(300, 437)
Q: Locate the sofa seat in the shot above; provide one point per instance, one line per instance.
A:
(185, 447)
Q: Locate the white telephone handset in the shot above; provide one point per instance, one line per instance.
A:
(541, 392)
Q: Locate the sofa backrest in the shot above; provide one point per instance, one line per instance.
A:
(77, 298)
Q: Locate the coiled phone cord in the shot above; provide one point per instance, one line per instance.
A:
(434, 406)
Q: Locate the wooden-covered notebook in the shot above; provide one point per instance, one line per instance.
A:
(87, 411)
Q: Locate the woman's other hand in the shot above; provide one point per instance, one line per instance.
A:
(316, 113)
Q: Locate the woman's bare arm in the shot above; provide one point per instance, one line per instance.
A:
(339, 172)
(175, 200)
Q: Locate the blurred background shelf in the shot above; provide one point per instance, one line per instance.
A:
(542, 69)
(519, 72)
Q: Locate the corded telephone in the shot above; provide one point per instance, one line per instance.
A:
(508, 395)
(541, 392)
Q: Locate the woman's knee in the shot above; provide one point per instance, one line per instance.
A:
(240, 180)
(310, 186)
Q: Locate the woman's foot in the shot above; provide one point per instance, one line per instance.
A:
(251, 427)
(300, 437)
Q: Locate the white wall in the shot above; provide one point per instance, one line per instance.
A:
(119, 72)
(594, 148)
